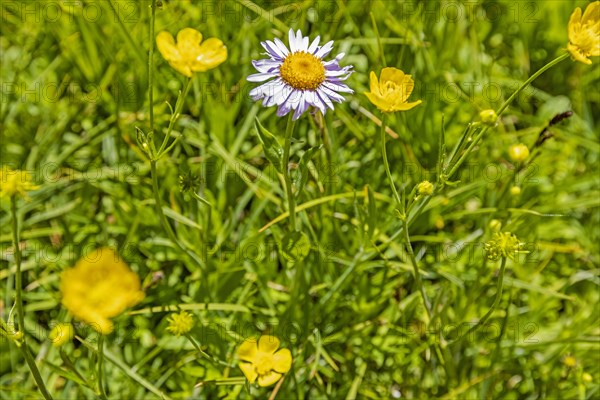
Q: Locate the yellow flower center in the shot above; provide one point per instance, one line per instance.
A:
(303, 71)
(389, 87)
(263, 363)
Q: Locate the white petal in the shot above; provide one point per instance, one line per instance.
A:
(282, 47)
(339, 72)
(313, 98)
(300, 41)
(266, 66)
(260, 77)
(292, 41)
(331, 94)
(324, 50)
(338, 87)
(283, 94)
(300, 107)
(314, 45)
(324, 98)
(266, 89)
(272, 51)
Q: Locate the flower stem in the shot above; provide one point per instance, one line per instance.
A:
(533, 77)
(19, 300)
(289, 131)
(175, 116)
(385, 161)
(151, 65)
(101, 366)
(415, 266)
(203, 353)
(18, 279)
(503, 108)
(499, 287)
(401, 204)
(163, 218)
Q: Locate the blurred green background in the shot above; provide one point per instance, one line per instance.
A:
(74, 82)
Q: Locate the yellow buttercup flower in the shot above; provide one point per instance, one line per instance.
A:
(99, 287)
(261, 360)
(15, 182)
(180, 324)
(190, 54)
(518, 152)
(584, 33)
(570, 361)
(390, 93)
(61, 334)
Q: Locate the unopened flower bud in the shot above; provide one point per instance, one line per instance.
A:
(488, 117)
(518, 152)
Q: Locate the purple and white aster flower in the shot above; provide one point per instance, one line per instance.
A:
(301, 77)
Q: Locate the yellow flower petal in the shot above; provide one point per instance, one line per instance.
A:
(268, 344)
(188, 43)
(166, 45)
(391, 74)
(268, 379)
(584, 33)
(282, 361)
(61, 334)
(190, 54)
(391, 93)
(212, 52)
(591, 14)
(247, 350)
(407, 106)
(99, 287)
(378, 102)
(374, 83)
(249, 371)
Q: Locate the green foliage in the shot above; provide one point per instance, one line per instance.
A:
(341, 295)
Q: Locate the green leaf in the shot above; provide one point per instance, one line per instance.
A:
(272, 148)
(371, 211)
(295, 246)
(302, 177)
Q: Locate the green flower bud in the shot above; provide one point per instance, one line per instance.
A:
(488, 117)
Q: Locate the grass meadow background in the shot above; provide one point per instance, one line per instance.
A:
(74, 88)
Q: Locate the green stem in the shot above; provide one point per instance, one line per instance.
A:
(101, 366)
(499, 287)
(503, 108)
(175, 116)
(533, 77)
(289, 131)
(19, 300)
(204, 354)
(151, 65)
(385, 161)
(415, 266)
(379, 44)
(163, 218)
(18, 279)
